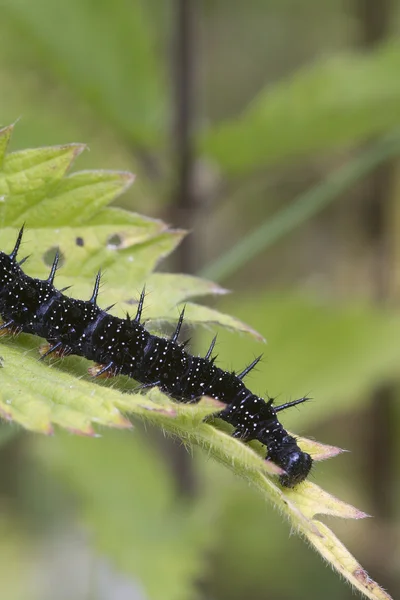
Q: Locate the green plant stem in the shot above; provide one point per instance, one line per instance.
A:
(302, 209)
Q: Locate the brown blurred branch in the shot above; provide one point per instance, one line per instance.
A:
(374, 19)
(183, 206)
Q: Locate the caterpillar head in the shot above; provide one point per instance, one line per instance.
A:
(297, 465)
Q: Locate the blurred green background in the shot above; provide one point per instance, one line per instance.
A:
(270, 129)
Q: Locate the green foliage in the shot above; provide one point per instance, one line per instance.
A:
(37, 396)
(337, 101)
(331, 351)
(133, 517)
(114, 68)
(303, 208)
(94, 71)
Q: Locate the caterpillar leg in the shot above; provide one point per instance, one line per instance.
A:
(9, 328)
(103, 371)
(57, 350)
(242, 435)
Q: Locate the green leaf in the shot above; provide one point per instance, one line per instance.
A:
(35, 189)
(175, 288)
(36, 396)
(29, 175)
(119, 216)
(203, 314)
(78, 197)
(339, 100)
(110, 62)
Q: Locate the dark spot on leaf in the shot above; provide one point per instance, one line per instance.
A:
(80, 241)
(48, 256)
(114, 242)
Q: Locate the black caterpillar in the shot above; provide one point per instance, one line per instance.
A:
(124, 346)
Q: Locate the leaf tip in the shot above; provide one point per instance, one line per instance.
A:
(122, 422)
(272, 469)
(8, 129)
(76, 149)
(48, 429)
(324, 451)
(359, 514)
(86, 431)
(369, 584)
(127, 177)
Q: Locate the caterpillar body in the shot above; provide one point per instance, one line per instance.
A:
(124, 346)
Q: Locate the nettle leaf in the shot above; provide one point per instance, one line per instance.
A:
(39, 396)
